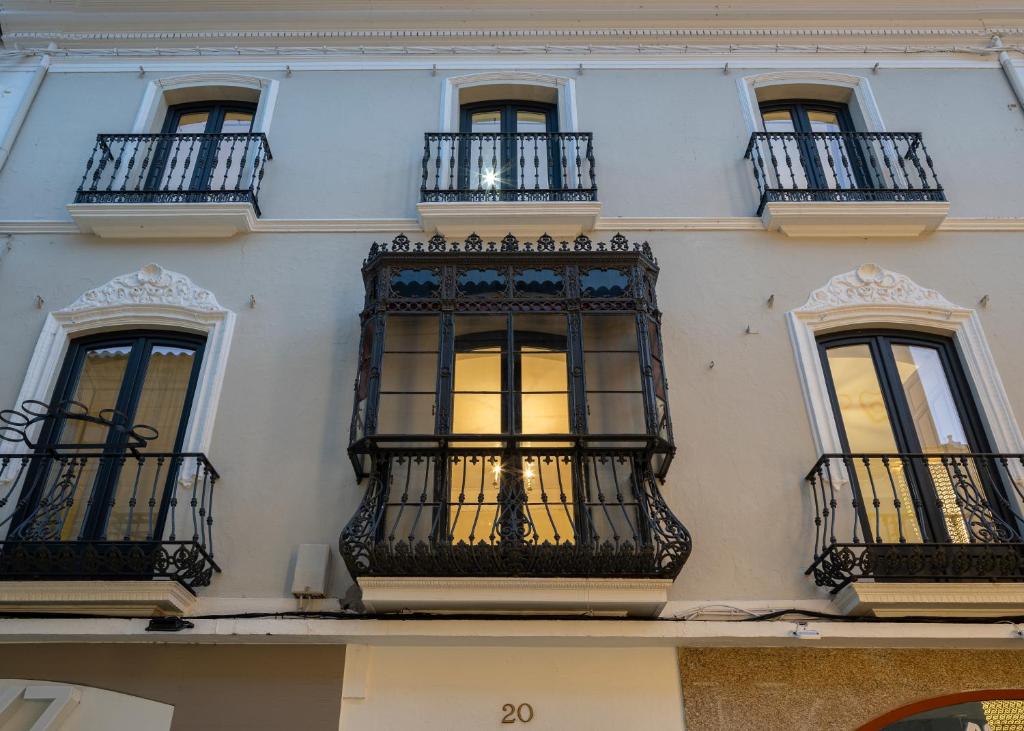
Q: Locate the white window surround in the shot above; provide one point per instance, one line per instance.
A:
(153, 100)
(859, 87)
(151, 298)
(564, 86)
(871, 296)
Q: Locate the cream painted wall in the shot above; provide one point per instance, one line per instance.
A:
(465, 688)
(348, 144)
(743, 436)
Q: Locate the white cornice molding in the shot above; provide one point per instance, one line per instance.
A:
(605, 223)
(891, 31)
(871, 285)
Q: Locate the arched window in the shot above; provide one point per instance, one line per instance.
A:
(984, 710)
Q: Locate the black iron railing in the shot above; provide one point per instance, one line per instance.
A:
(915, 517)
(549, 166)
(82, 511)
(842, 166)
(533, 507)
(175, 168)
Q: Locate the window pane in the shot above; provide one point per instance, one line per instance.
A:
(482, 282)
(868, 429)
(409, 372)
(477, 413)
(609, 332)
(612, 371)
(192, 123)
(411, 332)
(415, 283)
(160, 406)
(549, 507)
(823, 121)
(604, 283)
(615, 413)
(478, 371)
(538, 282)
(531, 121)
(543, 371)
(98, 387)
(780, 120)
(406, 414)
(486, 122)
(936, 419)
(546, 413)
(496, 325)
(546, 331)
(474, 500)
(237, 122)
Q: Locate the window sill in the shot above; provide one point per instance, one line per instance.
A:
(557, 218)
(119, 598)
(854, 218)
(621, 597)
(962, 599)
(163, 220)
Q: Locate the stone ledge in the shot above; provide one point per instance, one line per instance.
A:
(163, 220)
(119, 598)
(558, 218)
(897, 599)
(854, 218)
(632, 597)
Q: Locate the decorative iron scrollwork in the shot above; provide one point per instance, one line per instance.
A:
(35, 416)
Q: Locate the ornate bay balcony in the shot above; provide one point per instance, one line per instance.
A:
(493, 182)
(511, 421)
(78, 510)
(917, 518)
(846, 183)
(204, 185)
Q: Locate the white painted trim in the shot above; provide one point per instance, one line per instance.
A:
(871, 296)
(124, 598)
(859, 86)
(604, 223)
(895, 599)
(163, 220)
(146, 118)
(869, 219)
(558, 218)
(452, 86)
(152, 297)
(633, 597)
(565, 632)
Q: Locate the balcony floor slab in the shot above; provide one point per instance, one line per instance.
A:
(163, 220)
(938, 599)
(629, 597)
(116, 598)
(557, 218)
(854, 218)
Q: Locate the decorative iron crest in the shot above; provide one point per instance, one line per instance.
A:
(509, 244)
(36, 416)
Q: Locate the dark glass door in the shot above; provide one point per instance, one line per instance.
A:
(126, 380)
(823, 162)
(906, 393)
(513, 149)
(196, 163)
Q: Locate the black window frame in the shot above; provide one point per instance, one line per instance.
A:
(880, 342)
(106, 480)
(204, 156)
(508, 108)
(815, 169)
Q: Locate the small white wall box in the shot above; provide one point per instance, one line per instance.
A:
(310, 577)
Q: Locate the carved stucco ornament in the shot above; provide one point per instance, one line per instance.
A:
(870, 284)
(151, 285)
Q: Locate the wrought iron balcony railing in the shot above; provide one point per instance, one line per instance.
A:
(82, 511)
(842, 166)
(549, 166)
(522, 506)
(917, 517)
(175, 168)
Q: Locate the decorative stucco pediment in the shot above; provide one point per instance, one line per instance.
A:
(151, 285)
(870, 284)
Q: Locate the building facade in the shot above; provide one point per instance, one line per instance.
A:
(455, 366)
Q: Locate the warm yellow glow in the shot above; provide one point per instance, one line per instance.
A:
(1004, 715)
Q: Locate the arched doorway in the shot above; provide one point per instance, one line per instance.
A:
(982, 710)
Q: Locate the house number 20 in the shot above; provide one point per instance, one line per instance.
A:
(522, 713)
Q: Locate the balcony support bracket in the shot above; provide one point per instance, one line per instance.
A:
(924, 599)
